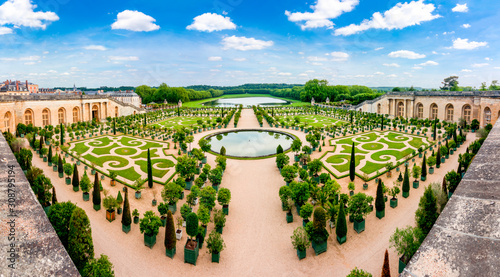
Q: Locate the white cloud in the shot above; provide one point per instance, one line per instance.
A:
(21, 13)
(449, 33)
(209, 22)
(5, 31)
(466, 26)
(134, 21)
(215, 59)
(285, 74)
(323, 11)
(398, 17)
(480, 65)
(30, 63)
(417, 67)
(487, 59)
(460, 8)
(300, 53)
(406, 54)
(380, 48)
(392, 76)
(466, 70)
(429, 63)
(465, 44)
(338, 56)
(378, 73)
(96, 47)
(30, 58)
(317, 59)
(244, 43)
(123, 58)
(239, 59)
(391, 65)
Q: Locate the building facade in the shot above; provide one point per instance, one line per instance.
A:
(448, 106)
(52, 109)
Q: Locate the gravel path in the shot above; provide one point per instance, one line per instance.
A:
(256, 233)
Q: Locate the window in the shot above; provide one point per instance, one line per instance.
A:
(61, 115)
(28, 117)
(466, 114)
(45, 117)
(449, 113)
(434, 111)
(420, 110)
(401, 109)
(487, 116)
(116, 111)
(76, 114)
(379, 109)
(6, 121)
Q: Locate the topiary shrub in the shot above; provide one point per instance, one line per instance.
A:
(192, 225)
(170, 239)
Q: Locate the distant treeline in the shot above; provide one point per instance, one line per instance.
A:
(319, 89)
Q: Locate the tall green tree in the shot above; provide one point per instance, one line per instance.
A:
(386, 269)
(170, 239)
(60, 165)
(114, 126)
(81, 248)
(76, 179)
(59, 217)
(438, 159)
(379, 199)
(352, 164)
(435, 128)
(96, 193)
(126, 218)
(427, 211)
(50, 154)
(341, 230)
(424, 168)
(406, 183)
(150, 171)
(62, 134)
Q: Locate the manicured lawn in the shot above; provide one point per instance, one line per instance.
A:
(117, 161)
(398, 154)
(164, 164)
(104, 150)
(144, 154)
(100, 142)
(343, 159)
(80, 147)
(125, 151)
(128, 173)
(186, 121)
(311, 120)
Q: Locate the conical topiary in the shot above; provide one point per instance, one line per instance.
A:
(126, 217)
(76, 179)
(352, 163)
(406, 184)
(96, 194)
(341, 229)
(170, 240)
(150, 170)
(379, 199)
(386, 270)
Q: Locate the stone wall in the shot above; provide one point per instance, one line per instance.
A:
(465, 240)
(25, 230)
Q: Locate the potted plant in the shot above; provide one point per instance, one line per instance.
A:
(85, 186)
(138, 186)
(284, 193)
(224, 197)
(135, 214)
(163, 209)
(394, 191)
(119, 201)
(358, 208)
(68, 170)
(389, 167)
(416, 173)
(215, 244)
(110, 204)
(178, 232)
(207, 197)
(289, 172)
(300, 194)
(306, 212)
(113, 175)
(406, 242)
(431, 161)
(317, 232)
(171, 194)
(191, 247)
(170, 243)
(380, 201)
(314, 168)
(150, 226)
(300, 242)
(351, 188)
(215, 177)
(126, 220)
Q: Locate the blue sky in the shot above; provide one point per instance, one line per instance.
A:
(232, 42)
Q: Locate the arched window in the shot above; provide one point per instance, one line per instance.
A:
(379, 108)
(6, 121)
(28, 117)
(61, 115)
(487, 116)
(116, 111)
(76, 114)
(449, 113)
(434, 111)
(45, 117)
(420, 110)
(466, 113)
(401, 109)
(95, 112)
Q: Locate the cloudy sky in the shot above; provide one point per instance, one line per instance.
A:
(231, 42)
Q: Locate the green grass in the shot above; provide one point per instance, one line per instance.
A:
(339, 158)
(371, 167)
(398, 154)
(372, 146)
(198, 103)
(348, 149)
(394, 145)
(312, 120)
(102, 159)
(104, 150)
(100, 142)
(127, 141)
(417, 142)
(125, 151)
(162, 163)
(129, 174)
(397, 137)
(150, 144)
(183, 121)
(144, 154)
(80, 148)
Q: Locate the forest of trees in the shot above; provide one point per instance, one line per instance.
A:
(173, 94)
